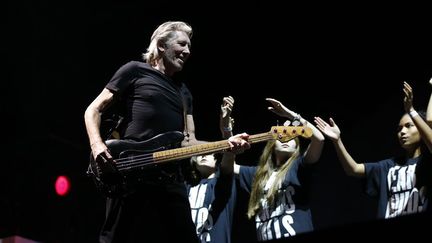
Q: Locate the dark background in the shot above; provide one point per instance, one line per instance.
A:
(345, 62)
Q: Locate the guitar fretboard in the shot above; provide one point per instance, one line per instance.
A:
(207, 148)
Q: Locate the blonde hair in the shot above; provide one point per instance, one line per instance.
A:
(266, 166)
(163, 33)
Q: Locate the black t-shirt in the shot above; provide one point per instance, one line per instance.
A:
(396, 187)
(153, 102)
(291, 214)
(212, 204)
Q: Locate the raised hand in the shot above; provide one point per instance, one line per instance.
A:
(226, 122)
(279, 109)
(331, 130)
(408, 97)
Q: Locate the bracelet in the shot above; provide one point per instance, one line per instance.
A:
(227, 129)
(297, 120)
(297, 117)
(413, 113)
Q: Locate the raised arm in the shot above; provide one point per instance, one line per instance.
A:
(313, 151)
(92, 119)
(226, 125)
(429, 109)
(238, 144)
(423, 128)
(226, 122)
(332, 131)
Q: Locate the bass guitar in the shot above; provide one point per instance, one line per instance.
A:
(131, 159)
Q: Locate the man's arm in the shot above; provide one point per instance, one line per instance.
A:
(92, 119)
(190, 138)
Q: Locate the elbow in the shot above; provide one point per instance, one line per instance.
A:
(354, 172)
(350, 173)
(86, 114)
(320, 138)
(90, 113)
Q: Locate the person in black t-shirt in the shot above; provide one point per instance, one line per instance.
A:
(212, 190)
(155, 108)
(398, 182)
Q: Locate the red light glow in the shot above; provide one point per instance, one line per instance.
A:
(62, 185)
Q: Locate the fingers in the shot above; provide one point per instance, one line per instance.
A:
(228, 101)
(100, 149)
(238, 143)
(319, 121)
(276, 106)
(321, 124)
(227, 105)
(406, 93)
(227, 108)
(271, 100)
(407, 90)
(274, 102)
(406, 85)
(105, 156)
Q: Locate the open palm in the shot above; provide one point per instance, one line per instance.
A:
(279, 109)
(331, 130)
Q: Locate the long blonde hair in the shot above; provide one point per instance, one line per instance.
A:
(163, 33)
(266, 166)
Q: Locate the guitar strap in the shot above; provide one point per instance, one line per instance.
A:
(186, 130)
(113, 131)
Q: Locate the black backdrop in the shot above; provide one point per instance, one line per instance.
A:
(346, 64)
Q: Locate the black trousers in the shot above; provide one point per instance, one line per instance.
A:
(158, 211)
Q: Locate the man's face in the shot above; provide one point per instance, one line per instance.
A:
(177, 51)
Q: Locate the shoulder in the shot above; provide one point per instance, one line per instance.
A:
(381, 164)
(248, 169)
(135, 66)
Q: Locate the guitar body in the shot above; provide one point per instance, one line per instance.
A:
(131, 159)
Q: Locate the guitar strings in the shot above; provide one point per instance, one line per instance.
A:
(132, 162)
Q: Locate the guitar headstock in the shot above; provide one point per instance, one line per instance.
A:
(286, 133)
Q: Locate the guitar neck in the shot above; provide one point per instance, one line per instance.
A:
(201, 149)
